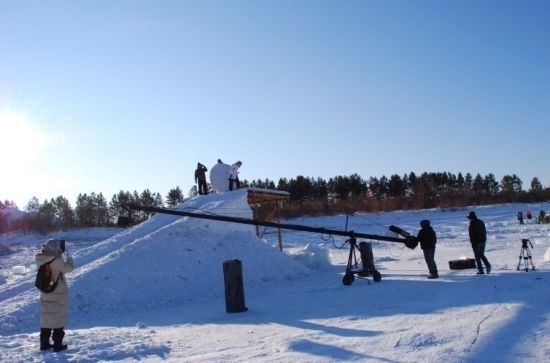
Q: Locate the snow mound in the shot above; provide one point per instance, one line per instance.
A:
(312, 256)
(165, 261)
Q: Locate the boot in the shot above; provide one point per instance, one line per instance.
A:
(58, 335)
(45, 334)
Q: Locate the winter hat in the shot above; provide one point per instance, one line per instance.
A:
(52, 247)
(424, 223)
(472, 215)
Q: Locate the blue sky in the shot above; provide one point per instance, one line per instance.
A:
(102, 96)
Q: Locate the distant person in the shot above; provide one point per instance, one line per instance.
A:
(233, 175)
(54, 305)
(478, 238)
(529, 216)
(542, 216)
(200, 179)
(427, 238)
(520, 217)
(220, 161)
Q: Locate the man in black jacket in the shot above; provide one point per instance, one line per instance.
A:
(478, 237)
(427, 238)
(200, 179)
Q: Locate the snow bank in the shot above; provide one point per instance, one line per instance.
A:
(165, 261)
(312, 256)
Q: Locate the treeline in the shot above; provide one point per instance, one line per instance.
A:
(345, 194)
(308, 196)
(91, 210)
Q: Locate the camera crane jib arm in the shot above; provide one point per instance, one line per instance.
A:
(366, 253)
(295, 227)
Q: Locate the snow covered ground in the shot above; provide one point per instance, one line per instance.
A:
(155, 292)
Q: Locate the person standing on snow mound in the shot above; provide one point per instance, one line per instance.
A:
(54, 305)
(233, 175)
(478, 238)
(200, 179)
(427, 238)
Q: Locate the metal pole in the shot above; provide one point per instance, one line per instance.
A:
(295, 227)
(279, 228)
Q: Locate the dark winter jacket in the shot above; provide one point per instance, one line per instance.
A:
(200, 172)
(426, 237)
(477, 231)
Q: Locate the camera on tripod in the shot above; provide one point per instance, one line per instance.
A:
(525, 256)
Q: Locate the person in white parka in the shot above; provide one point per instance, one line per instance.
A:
(233, 175)
(54, 305)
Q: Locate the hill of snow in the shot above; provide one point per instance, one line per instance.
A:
(166, 261)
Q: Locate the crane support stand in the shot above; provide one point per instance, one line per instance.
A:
(525, 256)
(367, 261)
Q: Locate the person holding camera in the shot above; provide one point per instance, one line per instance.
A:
(54, 305)
(200, 178)
(427, 238)
(478, 237)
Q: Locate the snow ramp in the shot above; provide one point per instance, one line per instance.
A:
(164, 262)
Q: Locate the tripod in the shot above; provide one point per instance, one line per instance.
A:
(367, 260)
(525, 255)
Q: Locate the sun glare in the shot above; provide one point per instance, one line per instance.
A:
(20, 141)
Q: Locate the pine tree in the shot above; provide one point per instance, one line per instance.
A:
(536, 185)
(64, 212)
(118, 211)
(174, 197)
(33, 206)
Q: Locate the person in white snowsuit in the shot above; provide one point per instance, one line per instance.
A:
(233, 175)
(54, 305)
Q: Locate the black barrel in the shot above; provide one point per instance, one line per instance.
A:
(367, 257)
(234, 290)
